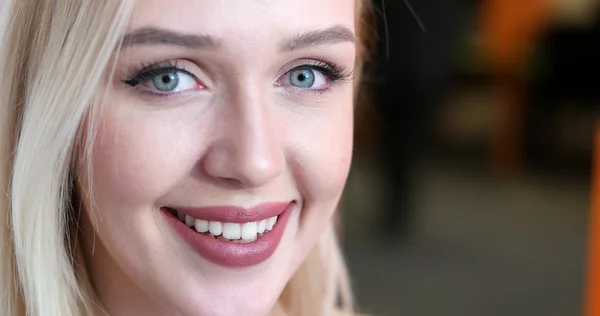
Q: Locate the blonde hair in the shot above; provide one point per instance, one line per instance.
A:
(54, 56)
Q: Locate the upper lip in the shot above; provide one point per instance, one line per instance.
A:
(234, 214)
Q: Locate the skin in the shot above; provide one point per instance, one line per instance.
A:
(242, 135)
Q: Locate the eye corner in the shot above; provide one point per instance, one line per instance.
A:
(133, 82)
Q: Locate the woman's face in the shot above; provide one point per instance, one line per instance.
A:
(222, 153)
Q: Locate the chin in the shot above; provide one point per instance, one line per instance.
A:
(247, 302)
(248, 293)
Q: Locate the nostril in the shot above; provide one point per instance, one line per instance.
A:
(232, 182)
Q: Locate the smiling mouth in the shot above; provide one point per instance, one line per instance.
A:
(241, 233)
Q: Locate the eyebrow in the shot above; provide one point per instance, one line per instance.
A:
(333, 35)
(158, 36)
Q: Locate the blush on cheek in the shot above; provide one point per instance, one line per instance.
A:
(126, 170)
(337, 154)
(322, 171)
(114, 176)
(339, 167)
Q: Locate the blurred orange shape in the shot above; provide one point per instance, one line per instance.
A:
(592, 282)
(509, 29)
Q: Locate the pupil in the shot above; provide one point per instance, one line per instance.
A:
(303, 78)
(166, 82)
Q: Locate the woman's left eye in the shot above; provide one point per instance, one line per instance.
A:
(305, 77)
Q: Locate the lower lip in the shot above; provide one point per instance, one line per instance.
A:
(230, 254)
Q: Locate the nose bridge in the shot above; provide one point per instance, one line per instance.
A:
(256, 139)
(249, 151)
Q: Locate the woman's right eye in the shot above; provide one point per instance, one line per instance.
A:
(165, 81)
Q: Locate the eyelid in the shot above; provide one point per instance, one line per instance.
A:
(341, 71)
(181, 65)
(291, 66)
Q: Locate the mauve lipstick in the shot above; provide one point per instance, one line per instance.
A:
(228, 253)
(234, 214)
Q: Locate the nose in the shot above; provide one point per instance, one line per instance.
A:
(247, 151)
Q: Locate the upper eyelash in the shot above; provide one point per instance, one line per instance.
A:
(149, 71)
(333, 71)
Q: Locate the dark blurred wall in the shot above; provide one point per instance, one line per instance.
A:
(413, 74)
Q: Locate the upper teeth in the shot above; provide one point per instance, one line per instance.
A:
(243, 232)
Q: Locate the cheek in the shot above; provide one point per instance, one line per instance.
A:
(325, 155)
(135, 161)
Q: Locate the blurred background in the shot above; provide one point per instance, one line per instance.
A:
(470, 189)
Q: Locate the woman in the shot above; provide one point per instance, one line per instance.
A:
(180, 158)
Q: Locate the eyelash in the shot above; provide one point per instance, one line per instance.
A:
(147, 72)
(334, 73)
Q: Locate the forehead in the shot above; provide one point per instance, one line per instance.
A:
(243, 21)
